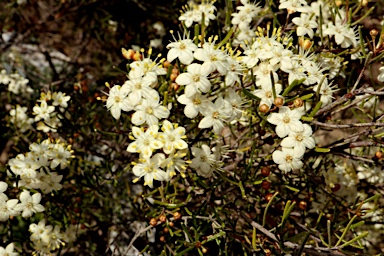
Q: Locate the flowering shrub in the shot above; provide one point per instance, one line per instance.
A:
(259, 130)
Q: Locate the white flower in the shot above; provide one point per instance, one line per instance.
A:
(263, 71)
(203, 161)
(287, 160)
(326, 91)
(7, 209)
(286, 121)
(304, 25)
(140, 86)
(3, 187)
(345, 36)
(149, 111)
(60, 156)
(59, 99)
(118, 100)
(193, 104)
(145, 142)
(299, 141)
(216, 114)
(266, 94)
(29, 204)
(9, 250)
(43, 111)
(182, 49)
(172, 137)
(213, 59)
(195, 80)
(380, 77)
(150, 169)
(294, 5)
(174, 162)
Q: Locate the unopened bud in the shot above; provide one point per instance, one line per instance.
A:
(266, 185)
(162, 239)
(136, 56)
(298, 102)
(173, 77)
(264, 108)
(204, 250)
(265, 171)
(175, 71)
(379, 154)
(339, 3)
(166, 64)
(307, 44)
(364, 3)
(162, 218)
(177, 215)
(175, 86)
(128, 54)
(278, 102)
(303, 205)
(374, 33)
(153, 222)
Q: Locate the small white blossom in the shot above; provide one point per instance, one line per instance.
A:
(204, 161)
(286, 121)
(150, 168)
(287, 160)
(29, 204)
(145, 142)
(299, 141)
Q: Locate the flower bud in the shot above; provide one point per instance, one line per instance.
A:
(128, 54)
(162, 218)
(303, 205)
(153, 222)
(166, 230)
(265, 171)
(268, 197)
(204, 250)
(266, 185)
(264, 108)
(175, 71)
(175, 86)
(278, 102)
(307, 44)
(364, 3)
(171, 224)
(136, 56)
(339, 3)
(162, 238)
(373, 32)
(173, 77)
(298, 102)
(379, 154)
(166, 64)
(177, 215)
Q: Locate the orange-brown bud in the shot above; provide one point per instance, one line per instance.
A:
(177, 215)
(268, 197)
(278, 102)
(166, 230)
(379, 154)
(303, 205)
(171, 224)
(298, 102)
(162, 238)
(173, 77)
(153, 222)
(136, 56)
(166, 64)
(266, 185)
(162, 218)
(264, 108)
(265, 171)
(175, 86)
(373, 32)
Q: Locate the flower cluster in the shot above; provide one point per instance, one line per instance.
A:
(194, 13)
(46, 238)
(16, 83)
(35, 167)
(47, 114)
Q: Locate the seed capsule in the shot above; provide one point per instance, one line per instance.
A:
(265, 171)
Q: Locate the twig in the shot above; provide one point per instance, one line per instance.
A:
(309, 249)
(343, 126)
(353, 157)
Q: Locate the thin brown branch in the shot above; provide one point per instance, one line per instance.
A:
(345, 126)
